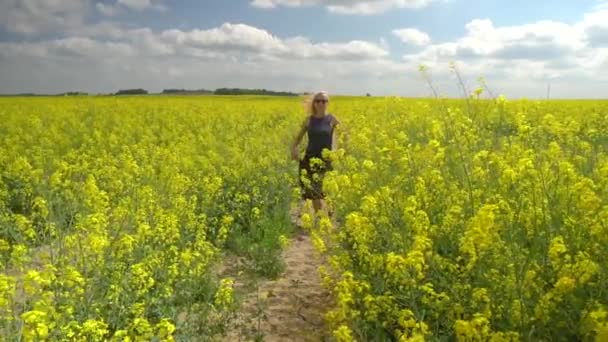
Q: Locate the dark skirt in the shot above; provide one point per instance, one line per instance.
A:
(311, 177)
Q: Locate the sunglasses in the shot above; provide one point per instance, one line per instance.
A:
(321, 101)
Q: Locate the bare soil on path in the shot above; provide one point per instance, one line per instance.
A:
(289, 308)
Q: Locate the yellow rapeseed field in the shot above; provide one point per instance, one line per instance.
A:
(459, 220)
(112, 211)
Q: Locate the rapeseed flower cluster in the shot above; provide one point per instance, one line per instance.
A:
(114, 210)
(471, 222)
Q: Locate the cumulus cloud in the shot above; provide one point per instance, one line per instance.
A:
(69, 48)
(231, 41)
(516, 60)
(106, 9)
(412, 36)
(522, 59)
(595, 26)
(540, 50)
(355, 50)
(602, 4)
(31, 17)
(118, 56)
(540, 40)
(243, 39)
(228, 37)
(141, 5)
(121, 6)
(360, 7)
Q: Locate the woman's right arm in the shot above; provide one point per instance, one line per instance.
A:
(294, 147)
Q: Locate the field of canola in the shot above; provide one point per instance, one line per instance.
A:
(472, 221)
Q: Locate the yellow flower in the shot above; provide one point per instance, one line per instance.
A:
(224, 295)
(564, 285)
(307, 221)
(255, 213)
(94, 330)
(284, 241)
(165, 330)
(556, 250)
(140, 329)
(343, 334)
(36, 325)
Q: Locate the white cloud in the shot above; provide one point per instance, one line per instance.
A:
(69, 48)
(134, 5)
(517, 60)
(117, 56)
(12, 50)
(521, 59)
(540, 50)
(248, 39)
(243, 38)
(105, 9)
(412, 36)
(356, 49)
(524, 58)
(238, 49)
(360, 7)
(383, 43)
(34, 16)
(265, 4)
(60, 74)
(595, 26)
(105, 29)
(85, 47)
(141, 5)
(228, 36)
(602, 4)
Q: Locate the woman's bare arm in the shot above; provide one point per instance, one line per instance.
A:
(298, 139)
(334, 135)
(301, 133)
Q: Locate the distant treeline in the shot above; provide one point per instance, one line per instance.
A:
(74, 93)
(132, 92)
(186, 91)
(219, 91)
(240, 91)
(140, 91)
(69, 93)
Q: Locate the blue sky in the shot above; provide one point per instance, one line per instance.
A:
(343, 46)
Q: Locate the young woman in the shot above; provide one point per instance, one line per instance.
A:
(320, 127)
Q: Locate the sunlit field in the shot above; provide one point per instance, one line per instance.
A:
(468, 220)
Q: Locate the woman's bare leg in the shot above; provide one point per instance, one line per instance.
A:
(317, 205)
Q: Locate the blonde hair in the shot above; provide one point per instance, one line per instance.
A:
(309, 102)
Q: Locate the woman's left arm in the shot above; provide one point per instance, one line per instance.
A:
(334, 136)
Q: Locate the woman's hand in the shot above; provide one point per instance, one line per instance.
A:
(295, 155)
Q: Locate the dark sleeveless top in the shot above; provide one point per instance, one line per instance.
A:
(320, 133)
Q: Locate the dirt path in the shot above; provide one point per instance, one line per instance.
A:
(289, 308)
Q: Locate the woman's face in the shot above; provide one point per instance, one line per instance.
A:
(321, 102)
